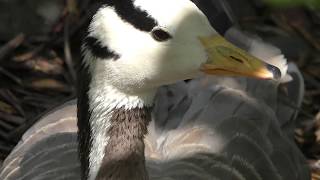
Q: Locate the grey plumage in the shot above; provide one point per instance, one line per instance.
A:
(48, 150)
(209, 128)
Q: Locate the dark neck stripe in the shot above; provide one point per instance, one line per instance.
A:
(138, 18)
(97, 50)
(124, 154)
(83, 115)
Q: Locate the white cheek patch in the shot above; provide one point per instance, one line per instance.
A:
(145, 57)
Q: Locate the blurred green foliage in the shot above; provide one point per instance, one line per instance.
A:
(314, 4)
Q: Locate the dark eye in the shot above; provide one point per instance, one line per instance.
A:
(160, 35)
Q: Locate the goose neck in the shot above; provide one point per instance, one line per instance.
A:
(124, 154)
(118, 125)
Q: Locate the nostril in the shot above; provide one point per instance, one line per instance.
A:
(275, 71)
(236, 59)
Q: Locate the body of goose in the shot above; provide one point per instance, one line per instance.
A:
(130, 123)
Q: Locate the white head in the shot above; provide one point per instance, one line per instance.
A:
(156, 42)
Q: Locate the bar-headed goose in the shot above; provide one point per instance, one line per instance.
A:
(198, 130)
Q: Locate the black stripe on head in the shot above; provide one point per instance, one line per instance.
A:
(97, 50)
(138, 18)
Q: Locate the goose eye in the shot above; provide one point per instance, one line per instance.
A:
(160, 35)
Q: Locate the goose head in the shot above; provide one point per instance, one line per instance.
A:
(132, 48)
(143, 44)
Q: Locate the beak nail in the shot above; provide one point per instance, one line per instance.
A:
(275, 71)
